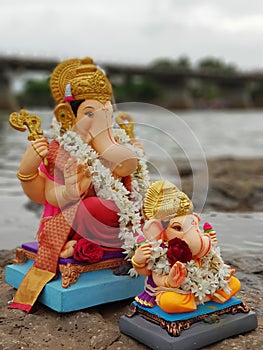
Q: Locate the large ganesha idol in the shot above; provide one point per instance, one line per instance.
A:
(90, 177)
(182, 264)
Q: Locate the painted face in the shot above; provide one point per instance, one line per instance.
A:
(88, 111)
(187, 229)
(94, 125)
(181, 225)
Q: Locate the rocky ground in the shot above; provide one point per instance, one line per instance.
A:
(97, 327)
(233, 186)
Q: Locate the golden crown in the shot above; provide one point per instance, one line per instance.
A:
(164, 201)
(76, 79)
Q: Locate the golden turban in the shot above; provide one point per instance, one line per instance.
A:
(164, 201)
(76, 79)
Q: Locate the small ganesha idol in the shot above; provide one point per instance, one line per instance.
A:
(182, 264)
(188, 300)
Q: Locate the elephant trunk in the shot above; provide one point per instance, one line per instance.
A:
(205, 247)
(121, 160)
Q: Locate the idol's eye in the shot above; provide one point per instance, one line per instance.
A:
(177, 227)
(90, 114)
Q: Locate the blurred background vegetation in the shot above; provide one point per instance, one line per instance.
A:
(36, 92)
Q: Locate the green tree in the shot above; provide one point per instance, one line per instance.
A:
(36, 92)
(143, 90)
(216, 64)
(162, 64)
(182, 62)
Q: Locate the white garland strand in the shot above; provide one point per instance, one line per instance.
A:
(106, 186)
(206, 279)
(202, 279)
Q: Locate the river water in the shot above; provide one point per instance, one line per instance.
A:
(167, 137)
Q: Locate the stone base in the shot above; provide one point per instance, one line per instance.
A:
(92, 288)
(194, 332)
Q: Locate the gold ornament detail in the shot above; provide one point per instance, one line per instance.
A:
(185, 206)
(126, 122)
(91, 83)
(23, 120)
(164, 201)
(28, 177)
(84, 79)
(61, 76)
(65, 116)
(71, 272)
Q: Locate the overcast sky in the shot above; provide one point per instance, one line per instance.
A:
(135, 31)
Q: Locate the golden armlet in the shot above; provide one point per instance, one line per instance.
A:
(28, 177)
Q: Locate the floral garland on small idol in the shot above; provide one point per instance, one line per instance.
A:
(106, 187)
(202, 279)
(206, 279)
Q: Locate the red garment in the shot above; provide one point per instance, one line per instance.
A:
(97, 220)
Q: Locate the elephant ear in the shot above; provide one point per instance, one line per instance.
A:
(153, 229)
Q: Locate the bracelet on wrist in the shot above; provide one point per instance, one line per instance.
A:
(28, 177)
(136, 265)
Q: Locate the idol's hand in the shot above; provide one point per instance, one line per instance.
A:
(142, 255)
(137, 143)
(35, 153)
(40, 147)
(71, 180)
(77, 179)
(177, 274)
(84, 178)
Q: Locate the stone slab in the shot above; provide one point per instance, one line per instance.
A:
(200, 334)
(92, 288)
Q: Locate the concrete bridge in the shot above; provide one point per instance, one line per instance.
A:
(234, 87)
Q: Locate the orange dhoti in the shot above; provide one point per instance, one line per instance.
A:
(174, 302)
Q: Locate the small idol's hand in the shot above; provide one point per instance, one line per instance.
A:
(177, 274)
(40, 147)
(212, 235)
(142, 254)
(231, 271)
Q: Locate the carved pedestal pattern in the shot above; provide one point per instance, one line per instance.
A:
(70, 272)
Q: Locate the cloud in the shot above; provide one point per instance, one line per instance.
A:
(134, 31)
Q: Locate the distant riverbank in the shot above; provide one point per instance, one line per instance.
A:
(234, 187)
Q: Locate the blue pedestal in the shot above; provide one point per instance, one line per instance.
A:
(92, 288)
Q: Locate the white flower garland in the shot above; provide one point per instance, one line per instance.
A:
(158, 261)
(203, 279)
(106, 186)
(206, 279)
